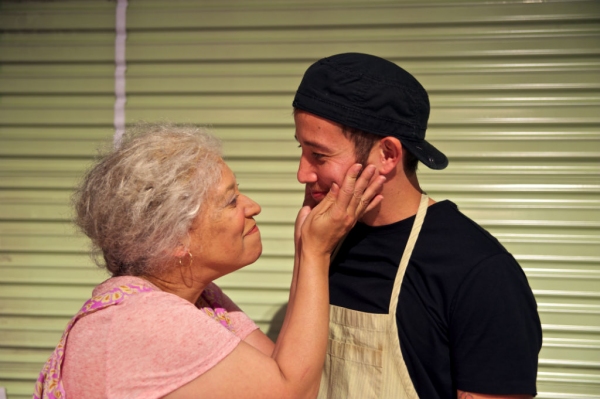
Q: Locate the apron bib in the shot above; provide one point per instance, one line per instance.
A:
(364, 359)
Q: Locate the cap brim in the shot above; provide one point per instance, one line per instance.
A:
(427, 154)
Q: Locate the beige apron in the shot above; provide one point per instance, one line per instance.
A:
(364, 359)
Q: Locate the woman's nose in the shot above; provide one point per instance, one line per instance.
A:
(252, 209)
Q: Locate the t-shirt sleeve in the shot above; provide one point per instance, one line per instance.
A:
(161, 342)
(241, 323)
(495, 330)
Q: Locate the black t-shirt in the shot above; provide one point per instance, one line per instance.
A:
(466, 316)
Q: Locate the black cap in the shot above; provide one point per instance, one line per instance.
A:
(371, 94)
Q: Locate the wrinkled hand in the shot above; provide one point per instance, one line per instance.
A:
(320, 228)
(307, 205)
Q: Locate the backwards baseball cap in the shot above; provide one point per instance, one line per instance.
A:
(371, 94)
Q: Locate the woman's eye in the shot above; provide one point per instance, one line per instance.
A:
(233, 201)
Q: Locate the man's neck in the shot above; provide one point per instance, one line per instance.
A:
(401, 198)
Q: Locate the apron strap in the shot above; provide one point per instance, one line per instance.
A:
(404, 376)
(412, 239)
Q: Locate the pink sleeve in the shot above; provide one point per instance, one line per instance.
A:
(242, 324)
(163, 343)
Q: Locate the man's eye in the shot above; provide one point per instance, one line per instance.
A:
(317, 155)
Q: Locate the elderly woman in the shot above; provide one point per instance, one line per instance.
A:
(165, 214)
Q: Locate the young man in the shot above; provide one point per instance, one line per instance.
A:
(424, 302)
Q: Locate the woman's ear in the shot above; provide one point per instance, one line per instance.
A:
(390, 154)
(180, 251)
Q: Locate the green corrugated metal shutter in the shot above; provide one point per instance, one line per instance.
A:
(515, 93)
(56, 105)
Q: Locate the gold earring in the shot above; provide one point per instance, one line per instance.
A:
(181, 264)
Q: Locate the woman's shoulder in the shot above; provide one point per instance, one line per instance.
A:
(142, 328)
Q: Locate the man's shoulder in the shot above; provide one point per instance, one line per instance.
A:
(451, 244)
(449, 224)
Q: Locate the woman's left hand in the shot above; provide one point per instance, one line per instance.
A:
(321, 227)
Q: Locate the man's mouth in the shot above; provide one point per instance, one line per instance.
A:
(318, 195)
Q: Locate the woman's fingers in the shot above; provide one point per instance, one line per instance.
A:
(363, 191)
(346, 193)
(300, 218)
(360, 194)
(376, 200)
(335, 215)
(371, 196)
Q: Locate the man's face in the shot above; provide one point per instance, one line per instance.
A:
(326, 153)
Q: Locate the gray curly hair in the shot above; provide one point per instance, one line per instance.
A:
(138, 202)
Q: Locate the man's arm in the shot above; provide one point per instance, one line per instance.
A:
(471, 395)
(495, 332)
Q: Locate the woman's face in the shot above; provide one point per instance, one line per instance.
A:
(224, 236)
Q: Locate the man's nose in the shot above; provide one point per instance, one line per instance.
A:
(306, 174)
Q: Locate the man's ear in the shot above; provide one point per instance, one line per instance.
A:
(390, 154)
